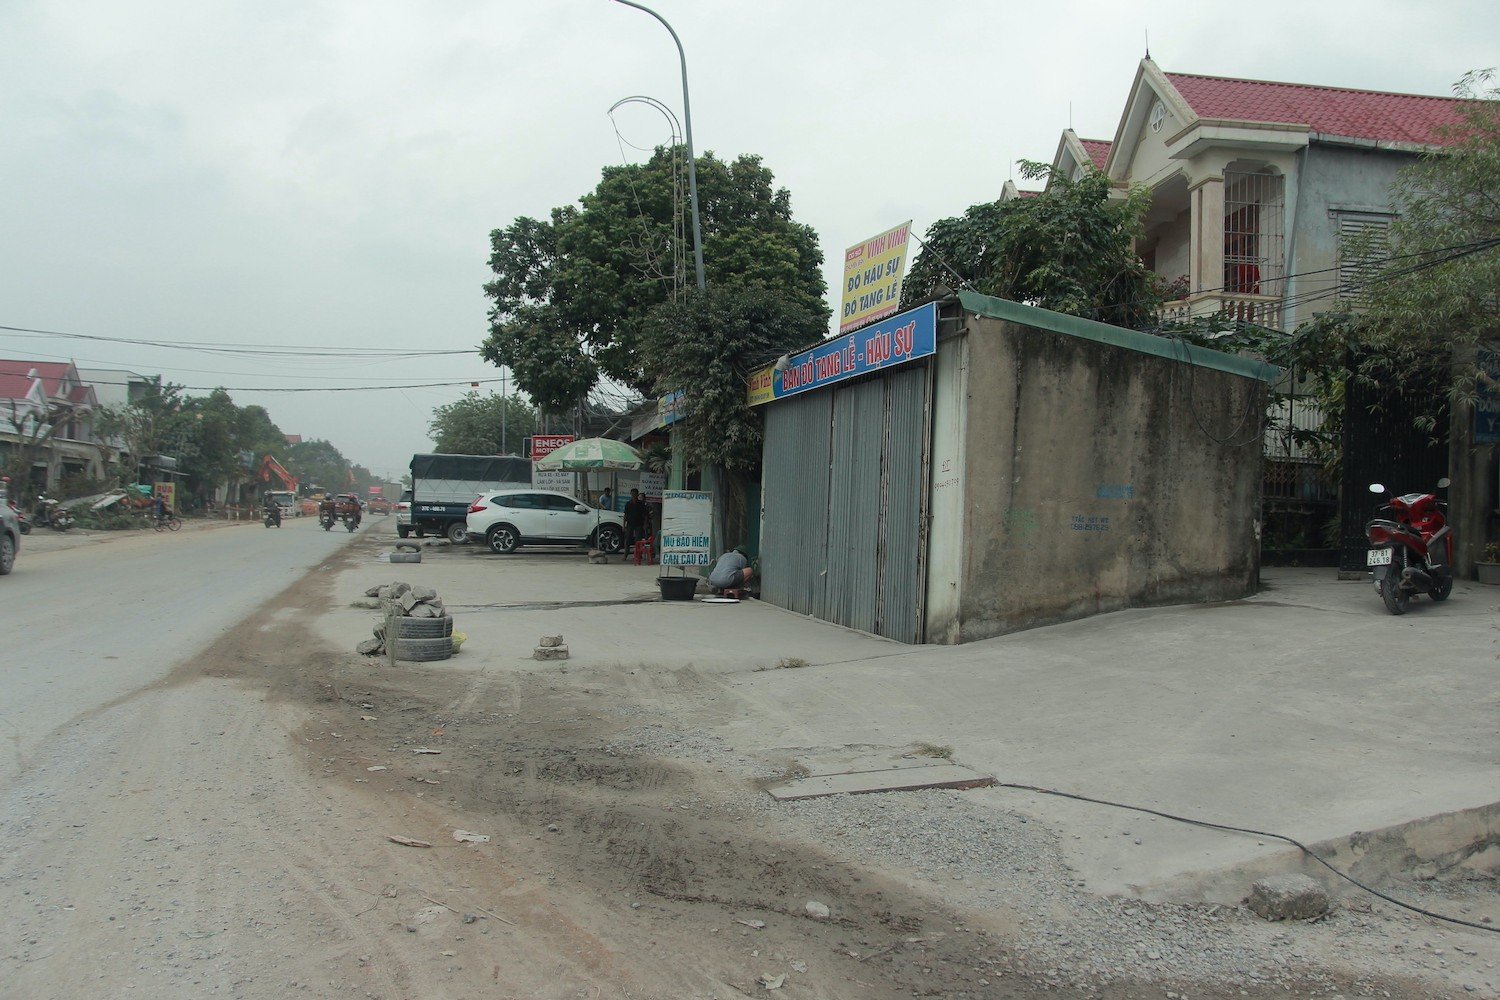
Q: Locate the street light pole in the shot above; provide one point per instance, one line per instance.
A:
(687, 117)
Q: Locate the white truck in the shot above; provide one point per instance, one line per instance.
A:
(443, 487)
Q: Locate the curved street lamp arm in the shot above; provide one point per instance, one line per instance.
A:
(687, 115)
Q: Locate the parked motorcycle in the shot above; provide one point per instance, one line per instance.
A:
(49, 513)
(1411, 551)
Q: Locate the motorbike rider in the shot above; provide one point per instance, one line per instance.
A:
(272, 508)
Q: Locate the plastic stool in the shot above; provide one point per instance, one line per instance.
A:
(644, 549)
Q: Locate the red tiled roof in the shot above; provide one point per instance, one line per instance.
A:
(1355, 114)
(292, 439)
(15, 381)
(1028, 194)
(1098, 150)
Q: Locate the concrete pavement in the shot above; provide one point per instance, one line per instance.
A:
(1306, 710)
(91, 617)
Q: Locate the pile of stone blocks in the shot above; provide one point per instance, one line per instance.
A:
(550, 647)
(401, 600)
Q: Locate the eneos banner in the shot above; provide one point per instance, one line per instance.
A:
(873, 271)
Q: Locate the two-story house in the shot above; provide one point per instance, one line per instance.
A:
(1256, 190)
(47, 415)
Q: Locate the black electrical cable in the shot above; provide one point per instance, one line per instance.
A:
(1254, 833)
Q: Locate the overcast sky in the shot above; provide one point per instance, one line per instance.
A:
(328, 171)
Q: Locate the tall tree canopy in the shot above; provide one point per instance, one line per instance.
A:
(1070, 249)
(572, 295)
(1437, 291)
(482, 425)
(704, 346)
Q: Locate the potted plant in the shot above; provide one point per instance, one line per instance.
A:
(1489, 564)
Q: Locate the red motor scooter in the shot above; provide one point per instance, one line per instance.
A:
(1411, 552)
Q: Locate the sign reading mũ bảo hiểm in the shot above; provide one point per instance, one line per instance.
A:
(685, 517)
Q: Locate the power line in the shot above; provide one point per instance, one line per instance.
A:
(94, 362)
(267, 350)
(313, 388)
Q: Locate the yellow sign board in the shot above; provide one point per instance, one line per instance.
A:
(759, 389)
(168, 494)
(873, 270)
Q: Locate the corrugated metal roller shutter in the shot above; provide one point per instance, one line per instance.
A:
(794, 519)
(854, 505)
(845, 493)
(902, 544)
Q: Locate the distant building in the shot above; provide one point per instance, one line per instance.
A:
(116, 388)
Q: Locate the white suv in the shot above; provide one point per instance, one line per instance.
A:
(511, 518)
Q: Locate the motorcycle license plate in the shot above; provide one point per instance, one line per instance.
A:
(1378, 557)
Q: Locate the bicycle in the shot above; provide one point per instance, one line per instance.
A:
(169, 523)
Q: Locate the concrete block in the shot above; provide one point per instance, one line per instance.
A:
(1288, 897)
(550, 653)
(370, 647)
(407, 601)
(424, 594)
(374, 591)
(550, 641)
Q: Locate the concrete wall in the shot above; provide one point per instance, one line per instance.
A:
(1094, 480)
(1331, 179)
(945, 505)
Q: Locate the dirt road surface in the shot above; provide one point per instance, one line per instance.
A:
(216, 821)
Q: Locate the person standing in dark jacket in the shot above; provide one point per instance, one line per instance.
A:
(637, 521)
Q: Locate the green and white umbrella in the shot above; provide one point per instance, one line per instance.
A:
(592, 453)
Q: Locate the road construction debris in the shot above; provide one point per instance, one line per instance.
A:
(377, 767)
(425, 750)
(1288, 897)
(550, 641)
(407, 841)
(771, 982)
(550, 647)
(465, 837)
(816, 910)
(758, 925)
(401, 600)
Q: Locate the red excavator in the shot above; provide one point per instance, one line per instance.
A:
(286, 498)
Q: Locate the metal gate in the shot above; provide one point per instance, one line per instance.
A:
(1382, 444)
(845, 498)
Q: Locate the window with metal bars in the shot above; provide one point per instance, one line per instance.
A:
(1254, 232)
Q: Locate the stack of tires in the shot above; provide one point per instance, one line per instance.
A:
(420, 640)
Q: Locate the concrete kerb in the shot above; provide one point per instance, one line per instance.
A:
(1306, 710)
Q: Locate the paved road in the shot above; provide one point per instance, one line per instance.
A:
(88, 624)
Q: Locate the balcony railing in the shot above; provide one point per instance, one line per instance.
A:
(1262, 310)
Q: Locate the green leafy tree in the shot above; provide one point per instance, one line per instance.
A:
(482, 425)
(153, 424)
(1070, 249)
(572, 295)
(30, 434)
(1436, 293)
(705, 346)
(316, 462)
